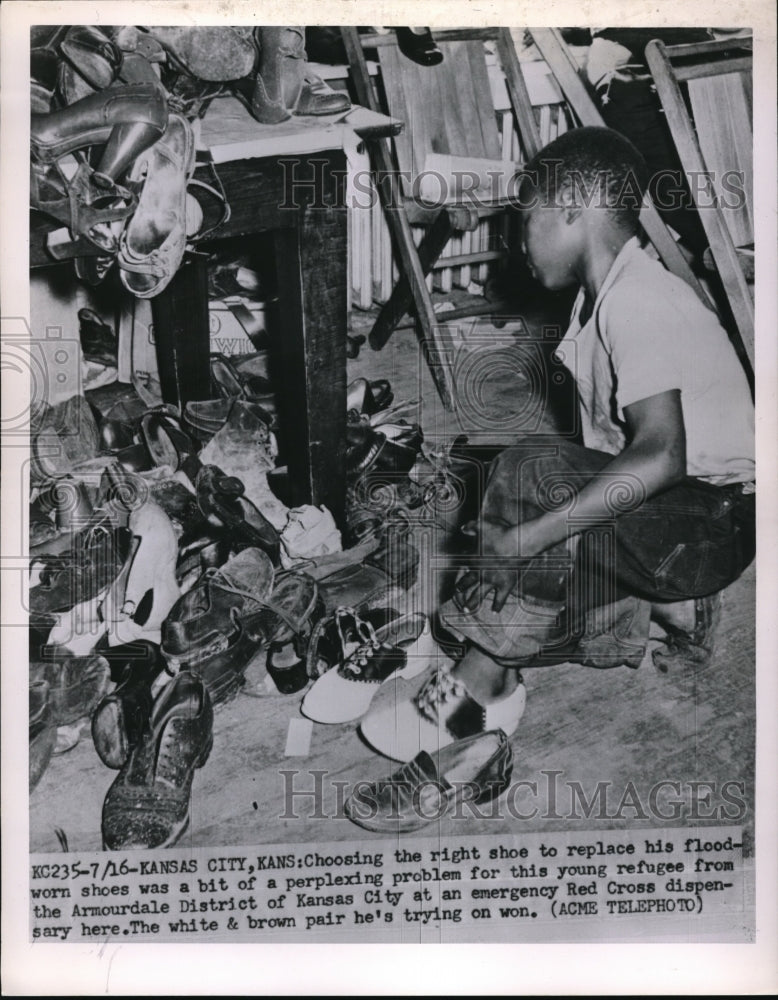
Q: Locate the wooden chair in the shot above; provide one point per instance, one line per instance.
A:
(712, 126)
(448, 111)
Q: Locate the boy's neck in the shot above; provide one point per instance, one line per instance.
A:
(601, 250)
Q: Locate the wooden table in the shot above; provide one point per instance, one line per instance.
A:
(288, 180)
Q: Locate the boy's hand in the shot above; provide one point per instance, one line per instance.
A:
(504, 542)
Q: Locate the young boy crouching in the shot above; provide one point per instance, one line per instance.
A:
(655, 505)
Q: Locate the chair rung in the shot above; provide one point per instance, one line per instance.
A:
(699, 70)
(422, 215)
(373, 41)
(686, 51)
(479, 257)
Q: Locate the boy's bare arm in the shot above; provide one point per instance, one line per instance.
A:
(654, 460)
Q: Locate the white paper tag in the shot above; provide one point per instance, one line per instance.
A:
(298, 738)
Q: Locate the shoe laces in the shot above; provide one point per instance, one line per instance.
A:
(438, 690)
(217, 578)
(366, 633)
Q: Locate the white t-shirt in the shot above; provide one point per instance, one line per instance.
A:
(649, 333)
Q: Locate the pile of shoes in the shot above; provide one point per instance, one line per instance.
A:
(111, 140)
(380, 454)
(162, 567)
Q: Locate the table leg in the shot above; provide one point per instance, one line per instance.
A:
(181, 333)
(309, 345)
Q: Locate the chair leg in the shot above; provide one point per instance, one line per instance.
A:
(402, 298)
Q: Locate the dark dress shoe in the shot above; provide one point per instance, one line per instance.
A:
(419, 46)
(115, 435)
(43, 735)
(230, 383)
(218, 497)
(205, 632)
(206, 417)
(121, 718)
(147, 806)
(317, 98)
(476, 769)
(75, 683)
(286, 668)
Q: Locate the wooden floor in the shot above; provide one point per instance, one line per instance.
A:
(629, 729)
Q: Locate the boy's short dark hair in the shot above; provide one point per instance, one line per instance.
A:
(586, 166)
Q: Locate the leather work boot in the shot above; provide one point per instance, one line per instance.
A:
(279, 81)
(285, 84)
(204, 631)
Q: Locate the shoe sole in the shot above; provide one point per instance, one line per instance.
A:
(109, 735)
(178, 831)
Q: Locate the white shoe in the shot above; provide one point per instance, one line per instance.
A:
(441, 713)
(402, 648)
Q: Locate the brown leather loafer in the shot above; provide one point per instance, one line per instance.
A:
(475, 769)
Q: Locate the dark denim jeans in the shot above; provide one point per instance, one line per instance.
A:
(689, 541)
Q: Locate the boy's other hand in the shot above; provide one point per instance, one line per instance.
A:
(504, 542)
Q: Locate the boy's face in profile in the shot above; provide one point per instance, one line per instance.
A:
(549, 242)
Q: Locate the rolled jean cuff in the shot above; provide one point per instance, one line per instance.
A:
(513, 635)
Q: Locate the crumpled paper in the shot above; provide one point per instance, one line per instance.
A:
(309, 532)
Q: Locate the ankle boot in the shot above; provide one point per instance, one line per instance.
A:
(279, 80)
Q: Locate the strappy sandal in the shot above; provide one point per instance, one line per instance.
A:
(152, 244)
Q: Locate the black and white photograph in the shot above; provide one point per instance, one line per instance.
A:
(393, 465)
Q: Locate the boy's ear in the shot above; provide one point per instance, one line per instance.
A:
(570, 204)
(572, 213)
